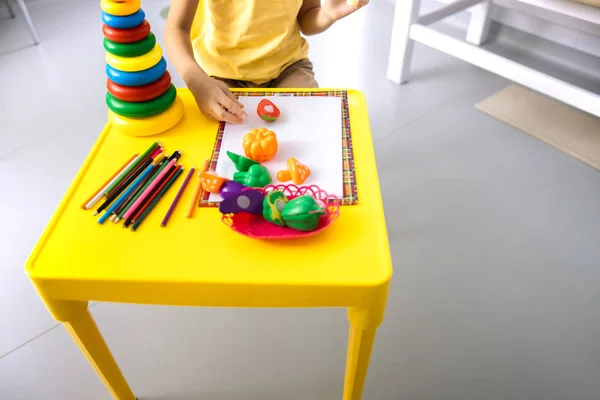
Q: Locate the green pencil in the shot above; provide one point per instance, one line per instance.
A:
(132, 167)
(139, 193)
(156, 200)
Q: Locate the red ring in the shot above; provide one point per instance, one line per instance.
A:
(127, 35)
(137, 94)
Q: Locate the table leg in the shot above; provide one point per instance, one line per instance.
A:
(360, 342)
(84, 331)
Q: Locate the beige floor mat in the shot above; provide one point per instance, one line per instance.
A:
(566, 128)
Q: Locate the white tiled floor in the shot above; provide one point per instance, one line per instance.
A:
(494, 238)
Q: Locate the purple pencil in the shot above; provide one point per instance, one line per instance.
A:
(177, 196)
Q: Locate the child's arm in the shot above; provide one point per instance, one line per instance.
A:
(316, 16)
(213, 97)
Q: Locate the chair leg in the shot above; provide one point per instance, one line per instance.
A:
(27, 17)
(10, 10)
(479, 25)
(401, 47)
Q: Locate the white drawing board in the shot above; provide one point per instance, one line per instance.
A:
(309, 129)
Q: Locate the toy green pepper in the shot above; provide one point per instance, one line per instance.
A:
(302, 213)
(256, 176)
(273, 203)
(241, 163)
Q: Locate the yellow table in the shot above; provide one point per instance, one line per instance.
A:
(202, 262)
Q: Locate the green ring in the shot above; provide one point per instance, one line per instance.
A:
(144, 109)
(135, 49)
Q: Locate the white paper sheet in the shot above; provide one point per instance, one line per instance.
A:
(309, 129)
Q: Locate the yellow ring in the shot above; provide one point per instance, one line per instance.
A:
(120, 8)
(135, 64)
(148, 126)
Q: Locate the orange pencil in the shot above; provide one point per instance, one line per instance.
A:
(84, 206)
(202, 170)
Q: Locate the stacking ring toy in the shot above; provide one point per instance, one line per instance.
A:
(127, 35)
(120, 8)
(138, 78)
(133, 64)
(148, 126)
(124, 22)
(137, 94)
(145, 109)
(131, 49)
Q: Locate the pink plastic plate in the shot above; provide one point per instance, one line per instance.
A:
(255, 226)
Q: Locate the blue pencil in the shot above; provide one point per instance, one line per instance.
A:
(123, 196)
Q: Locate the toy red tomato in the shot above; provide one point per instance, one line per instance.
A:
(267, 111)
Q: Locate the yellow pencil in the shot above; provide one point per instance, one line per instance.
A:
(202, 170)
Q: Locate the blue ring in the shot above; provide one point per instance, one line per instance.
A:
(138, 78)
(125, 22)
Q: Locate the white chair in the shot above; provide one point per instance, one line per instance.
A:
(25, 12)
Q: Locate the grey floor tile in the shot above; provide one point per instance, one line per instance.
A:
(494, 243)
(171, 353)
(42, 171)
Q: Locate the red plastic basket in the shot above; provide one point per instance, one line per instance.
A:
(255, 226)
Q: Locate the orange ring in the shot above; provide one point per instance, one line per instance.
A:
(137, 94)
(127, 35)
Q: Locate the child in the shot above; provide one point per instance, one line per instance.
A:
(246, 43)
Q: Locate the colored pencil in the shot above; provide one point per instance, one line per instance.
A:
(157, 152)
(100, 192)
(154, 193)
(138, 189)
(177, 197)
(142, 206)
(175, 155)
(126, 193)
(156, 199)
(146, 192)
(135, 170)
(158, 167)
(196, 198)
(126, 183)
(139, 160)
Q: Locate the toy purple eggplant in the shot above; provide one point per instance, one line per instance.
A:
(250, 201)
(231, 188)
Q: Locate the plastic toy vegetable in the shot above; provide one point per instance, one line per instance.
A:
(250, 201)
(260, 144)
(274, 202)
(296, 172)
(257, 176)
(231, 188)
(267, 111)
(302, 213)
(211, 182)
(241, 163)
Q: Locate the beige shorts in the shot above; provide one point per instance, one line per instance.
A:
(298, 75)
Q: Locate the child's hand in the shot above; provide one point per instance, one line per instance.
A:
(215, 100)
(338, 9)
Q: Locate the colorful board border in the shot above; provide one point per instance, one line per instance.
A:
(350, 196)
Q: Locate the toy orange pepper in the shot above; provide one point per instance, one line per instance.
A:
(296, 172)
(260, 144)
(211, 182)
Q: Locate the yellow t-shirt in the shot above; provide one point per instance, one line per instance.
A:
(251, 40)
